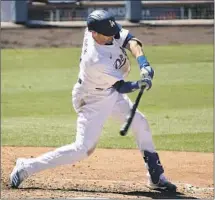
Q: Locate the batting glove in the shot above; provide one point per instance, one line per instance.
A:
(146, 70)
(145, 82)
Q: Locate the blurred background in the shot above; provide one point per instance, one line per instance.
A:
(73, 10)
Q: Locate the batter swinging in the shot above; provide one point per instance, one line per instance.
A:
(100, 93)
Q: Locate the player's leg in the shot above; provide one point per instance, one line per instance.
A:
(141, 130)
(139, 126)
(68, 154)
(89, 126)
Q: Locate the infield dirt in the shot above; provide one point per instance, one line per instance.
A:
(109, 173)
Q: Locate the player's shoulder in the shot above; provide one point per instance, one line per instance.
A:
(120, 38)
(123, 33)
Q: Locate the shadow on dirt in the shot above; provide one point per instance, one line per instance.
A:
(159, 195)
(138, 194)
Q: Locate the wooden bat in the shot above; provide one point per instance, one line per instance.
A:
(129, 119)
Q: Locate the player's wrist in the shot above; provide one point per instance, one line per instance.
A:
(142, 61)
(145, 68)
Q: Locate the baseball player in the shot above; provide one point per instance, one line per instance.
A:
(100, 92)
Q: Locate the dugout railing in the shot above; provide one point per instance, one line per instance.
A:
(77, 10)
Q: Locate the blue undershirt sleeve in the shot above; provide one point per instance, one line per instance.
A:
(126, 87)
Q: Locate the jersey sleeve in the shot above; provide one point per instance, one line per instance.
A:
(124, 37)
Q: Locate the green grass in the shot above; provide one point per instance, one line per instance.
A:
(199, 142)
(36, 98)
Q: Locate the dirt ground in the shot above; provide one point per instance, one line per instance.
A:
(109, 173)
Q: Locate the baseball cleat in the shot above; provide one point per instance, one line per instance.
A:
(162, 185)
(18, 174)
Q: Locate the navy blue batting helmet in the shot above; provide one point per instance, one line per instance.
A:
(103, 22)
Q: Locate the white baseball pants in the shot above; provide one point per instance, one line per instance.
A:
(93, 111)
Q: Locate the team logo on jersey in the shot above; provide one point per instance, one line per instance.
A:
(119, 62)
(112, 23)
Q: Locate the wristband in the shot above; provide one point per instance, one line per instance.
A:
(142, 61)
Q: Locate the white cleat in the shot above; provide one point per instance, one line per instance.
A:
(19, 174)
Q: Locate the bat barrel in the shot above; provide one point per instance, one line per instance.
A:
(125, 127)
(123, 131)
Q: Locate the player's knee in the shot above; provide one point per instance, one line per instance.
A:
(140, 117)
(86, 149)
(140, 122)
(80, 147)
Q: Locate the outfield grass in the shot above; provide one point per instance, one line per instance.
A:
(37, 110)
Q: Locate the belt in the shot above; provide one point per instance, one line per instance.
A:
(80, 82)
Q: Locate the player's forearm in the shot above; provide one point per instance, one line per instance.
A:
(135, 48)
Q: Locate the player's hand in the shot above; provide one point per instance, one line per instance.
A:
(147, 72)
(146, 82)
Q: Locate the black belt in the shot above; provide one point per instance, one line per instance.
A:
(80, 82)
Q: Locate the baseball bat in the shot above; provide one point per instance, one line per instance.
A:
(129, 119)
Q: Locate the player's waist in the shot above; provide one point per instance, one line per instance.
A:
(96, 88)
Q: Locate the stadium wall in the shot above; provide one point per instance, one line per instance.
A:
(14, 11)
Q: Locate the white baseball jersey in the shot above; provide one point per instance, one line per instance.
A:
(102, 65)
